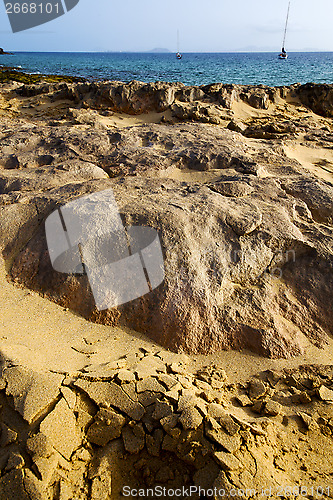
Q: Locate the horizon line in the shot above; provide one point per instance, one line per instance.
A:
(166, 52)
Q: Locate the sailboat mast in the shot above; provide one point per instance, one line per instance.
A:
(285, 29)
(179, 56)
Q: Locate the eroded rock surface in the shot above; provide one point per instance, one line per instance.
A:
(205, 101)
(195, 432)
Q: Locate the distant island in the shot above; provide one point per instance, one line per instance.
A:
(2, 52)
(159, 50)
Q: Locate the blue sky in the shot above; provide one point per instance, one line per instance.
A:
(205, 26)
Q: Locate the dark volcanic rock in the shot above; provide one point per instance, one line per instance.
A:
(9, 162)
(318, 97)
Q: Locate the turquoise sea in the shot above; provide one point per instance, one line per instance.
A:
(193, 69)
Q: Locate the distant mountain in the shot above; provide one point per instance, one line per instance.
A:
(159, 50)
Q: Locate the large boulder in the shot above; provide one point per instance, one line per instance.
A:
(247, 252)
(237, 275)
(136, 97)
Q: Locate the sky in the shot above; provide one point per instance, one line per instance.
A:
(204, 26)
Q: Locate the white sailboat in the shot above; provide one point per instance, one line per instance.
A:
(178, 55)
(283, 55)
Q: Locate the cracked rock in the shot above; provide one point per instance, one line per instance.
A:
(227, 461)
(169, 443)
(168, 423)
(109, 393)
(12, 486)
(188, 398)
(32, 392)
(167, 380)
(8, 435)
(325, 394)
(190, 418)
(149, 365)
(47, 466)
(108, 426)
(173, 394)
(148, 398)
(69, 396)
(272, 408)
(15, 461)
(212, 373)
(33, 486)
(61, 429)
(39, 446)
(154, 442)
(309, 422)
(134, 438)
(149, 384)
(214, 432)
(244, 400)
(221, 416)
(257, 389)
(161, 410)
(125, 376)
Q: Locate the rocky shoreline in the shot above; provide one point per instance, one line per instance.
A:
(238, 181)
(13, 74)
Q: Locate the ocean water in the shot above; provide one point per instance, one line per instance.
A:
(193, 69)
